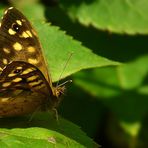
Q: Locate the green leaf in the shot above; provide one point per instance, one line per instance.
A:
(58, 47)
(121, 88)
(131, 128)
(101, 82)
(126, 76)
(42, 131)
(36, 12)
(133, 73)
(38, 137)
(118, 16)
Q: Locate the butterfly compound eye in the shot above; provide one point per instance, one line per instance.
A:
(15, 27)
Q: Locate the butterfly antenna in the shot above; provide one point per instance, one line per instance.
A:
(68, 81)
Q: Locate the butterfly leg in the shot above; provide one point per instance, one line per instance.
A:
(55, 113)
(34, 113)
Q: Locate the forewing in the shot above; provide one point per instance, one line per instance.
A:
(19, 41)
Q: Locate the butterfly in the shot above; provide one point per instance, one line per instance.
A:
(25, 84)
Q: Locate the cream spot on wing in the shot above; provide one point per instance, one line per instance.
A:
(35, 83)
(27, 71)
(6, 50)
(5, 61)
(25, 35)
(5, 99)
(1, 69)
(23, 20)
(12, 74)
(0, 24)
(7, 10)
(17, 46)
(33, 61)
(17, 80)
(29, 33)
(19, 67)
(32, 78)
(6, 84)
(19, 22)
(31, 49)
(11, 32)
(10, 8)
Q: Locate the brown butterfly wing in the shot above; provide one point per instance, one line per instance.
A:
(23, 89)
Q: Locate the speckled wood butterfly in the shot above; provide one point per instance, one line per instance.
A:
(25, 85)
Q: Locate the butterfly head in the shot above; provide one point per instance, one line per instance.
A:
(59, 90)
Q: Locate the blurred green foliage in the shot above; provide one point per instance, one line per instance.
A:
(107, 99)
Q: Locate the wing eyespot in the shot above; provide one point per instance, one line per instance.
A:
(17, 71)
(15, 27)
